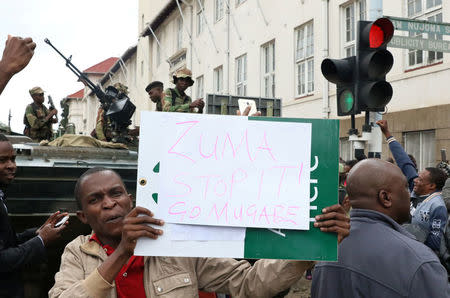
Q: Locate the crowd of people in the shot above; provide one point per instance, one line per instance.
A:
(102, 264)
(378, 256)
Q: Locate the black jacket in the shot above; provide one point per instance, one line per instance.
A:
(380, 259)
(16, 251)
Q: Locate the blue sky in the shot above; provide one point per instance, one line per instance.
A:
(90, 31)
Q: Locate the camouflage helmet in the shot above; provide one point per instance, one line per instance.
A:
(36, 90)
(121, 88)
(183, 73)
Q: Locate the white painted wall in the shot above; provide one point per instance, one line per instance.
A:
(412, 89)
(76, 115)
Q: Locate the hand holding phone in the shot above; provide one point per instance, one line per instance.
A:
(62, 221)
(244, 103)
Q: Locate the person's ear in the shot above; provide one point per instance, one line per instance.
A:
(385, 199)
(432, 185)
(130, 196)
(82, 217)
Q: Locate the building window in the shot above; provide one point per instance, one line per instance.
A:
(241, 75)
(414, 7)
(435, 56)
(352, 12)
(199, 83)
(218, 80)
(421, 145)
(430, 10)
(179, 34)
(268, 69)
(200, 17)
(218, 9)
(304, 59)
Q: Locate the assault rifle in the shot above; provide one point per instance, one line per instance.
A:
(52, 106)
(117, 106)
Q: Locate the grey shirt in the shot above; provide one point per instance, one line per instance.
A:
(380, 259)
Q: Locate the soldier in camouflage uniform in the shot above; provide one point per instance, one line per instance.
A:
(38, 119)
(176, 100)
(102, 129)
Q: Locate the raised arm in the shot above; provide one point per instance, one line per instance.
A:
(16, 55)
(401, 157)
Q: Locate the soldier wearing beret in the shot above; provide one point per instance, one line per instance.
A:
(176, 100)
(38, 119)
(156, 93)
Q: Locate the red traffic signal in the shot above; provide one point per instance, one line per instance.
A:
(376, 34)
(373, 93)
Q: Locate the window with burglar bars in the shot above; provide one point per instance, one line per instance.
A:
(304, 59)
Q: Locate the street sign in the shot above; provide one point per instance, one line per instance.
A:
(420, 26)
(413, 43)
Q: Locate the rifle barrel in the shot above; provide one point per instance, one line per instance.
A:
(77, 72)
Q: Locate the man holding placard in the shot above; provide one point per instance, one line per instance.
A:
(103, 264)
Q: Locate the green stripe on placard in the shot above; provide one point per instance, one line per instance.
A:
(312, 244)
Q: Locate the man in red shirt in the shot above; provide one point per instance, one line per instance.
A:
(103, 264)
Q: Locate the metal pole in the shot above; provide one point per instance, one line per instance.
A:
(375, 146)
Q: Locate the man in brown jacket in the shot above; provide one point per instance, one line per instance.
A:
(103, 265)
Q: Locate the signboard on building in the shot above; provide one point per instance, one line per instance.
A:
(227, 186)
(419, 27)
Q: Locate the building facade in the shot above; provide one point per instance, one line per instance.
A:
(270, 48)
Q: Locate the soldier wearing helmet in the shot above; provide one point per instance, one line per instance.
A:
(176, 100)
(38, 119)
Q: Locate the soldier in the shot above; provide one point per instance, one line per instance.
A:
(176, 100)
(102, 129)
(38, 119)
(156, 94)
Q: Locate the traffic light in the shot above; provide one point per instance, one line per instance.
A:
(374, 62)
(342, 73)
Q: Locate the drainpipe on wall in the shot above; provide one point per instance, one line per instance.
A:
(325, 40)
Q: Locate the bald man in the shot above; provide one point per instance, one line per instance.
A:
(380, 258)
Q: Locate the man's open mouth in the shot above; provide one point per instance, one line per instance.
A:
(114, 218)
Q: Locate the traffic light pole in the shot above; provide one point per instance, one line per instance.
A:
(360, 80)
(375, 139)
